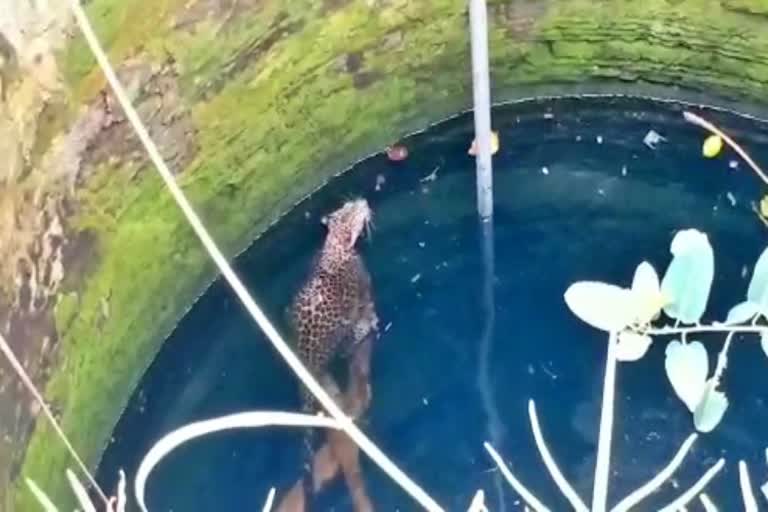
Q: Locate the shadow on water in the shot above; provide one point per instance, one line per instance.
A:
(439, 391)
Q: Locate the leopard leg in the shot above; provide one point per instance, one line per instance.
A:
(365, 325)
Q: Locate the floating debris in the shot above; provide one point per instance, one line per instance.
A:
(623, 170)
(397, 153)
(549, 115)
(422, 245)
(545, 171)
(431, 176)
(578, 138)
(744, 272)
(388, 326)
(652, 138)
(380, 181)
(733, 164)
(601, 192)
(307, 215)
(425, 401)
(731, 198)
(599, 139)
(415, 278)
(494, 144)
(712, 146)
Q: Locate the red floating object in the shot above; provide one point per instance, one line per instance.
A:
(397, 153)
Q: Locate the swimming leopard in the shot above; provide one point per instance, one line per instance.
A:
(334, 310)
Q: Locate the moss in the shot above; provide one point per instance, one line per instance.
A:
(278, 112)
(124, 27)
(748, 6)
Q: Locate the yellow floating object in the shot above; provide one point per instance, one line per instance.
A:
(764, 207)
(494, 145)
(712, 146)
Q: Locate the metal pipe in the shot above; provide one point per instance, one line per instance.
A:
(495, 427)
(478, 20)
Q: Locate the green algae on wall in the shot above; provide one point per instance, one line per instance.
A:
(282, 95)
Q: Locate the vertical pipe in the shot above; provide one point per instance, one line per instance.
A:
(478, 20)
(484, 383)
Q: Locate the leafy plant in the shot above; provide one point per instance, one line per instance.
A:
(635, 314)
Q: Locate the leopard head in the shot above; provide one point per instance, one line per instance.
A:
(345, 226)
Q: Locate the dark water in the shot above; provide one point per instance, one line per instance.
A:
(439, 391)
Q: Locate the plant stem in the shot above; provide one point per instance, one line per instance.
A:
(666, 331)
(603, 464)
(562, 483)
(750, 504)
(722, 358)
(696, 489)
(657, 481)
(522, 490)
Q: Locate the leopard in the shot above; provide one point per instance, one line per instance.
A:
(334, 310)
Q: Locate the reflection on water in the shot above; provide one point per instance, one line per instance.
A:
(443, 378)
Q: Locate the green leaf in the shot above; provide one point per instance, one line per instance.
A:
(646, 280)
(647, 293)
(604, 306)
(711, 409)
(687, 367)
(688, 280)
(632, 346)
(758, 286)
(741, 313)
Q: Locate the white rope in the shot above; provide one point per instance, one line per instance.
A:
(22, 373)
(234, 281)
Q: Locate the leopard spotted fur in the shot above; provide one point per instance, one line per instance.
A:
(334, 310)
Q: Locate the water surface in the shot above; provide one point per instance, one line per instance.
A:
(578, 196)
